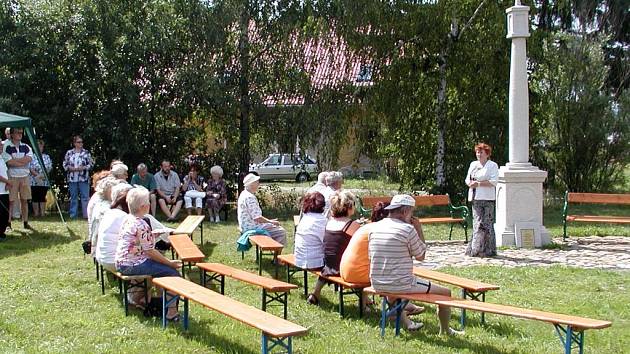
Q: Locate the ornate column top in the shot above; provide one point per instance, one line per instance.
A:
(518, 21)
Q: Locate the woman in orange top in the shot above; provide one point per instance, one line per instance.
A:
(355, 262)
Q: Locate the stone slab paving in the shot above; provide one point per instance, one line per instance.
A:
(610, 252)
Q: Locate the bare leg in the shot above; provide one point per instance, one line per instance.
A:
(317, 289)
(164, 208)
(153, 203)
(24, 206)
(198, 211)
(176, 209)
(36, 212)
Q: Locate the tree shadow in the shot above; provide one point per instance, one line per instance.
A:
(20, 242)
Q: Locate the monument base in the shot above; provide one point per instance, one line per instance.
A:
(520, 201)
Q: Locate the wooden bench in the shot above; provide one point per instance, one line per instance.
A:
(189, 225)
(570, 329)
(186, 250)
(126, 283)
(274, 329)
(458, 214)
(272, 290)
(265, 245)
(471, 289)
(345, 288)
(593, 198)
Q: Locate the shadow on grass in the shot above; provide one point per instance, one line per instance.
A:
(20, 242)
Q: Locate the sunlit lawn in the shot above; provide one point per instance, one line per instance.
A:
(50, 301)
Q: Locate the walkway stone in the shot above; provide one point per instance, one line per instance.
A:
(610, 252)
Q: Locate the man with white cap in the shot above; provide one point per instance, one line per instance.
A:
(250, 215)
(392, 244)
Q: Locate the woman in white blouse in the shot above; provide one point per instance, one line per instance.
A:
(481, 180)
(309, 234)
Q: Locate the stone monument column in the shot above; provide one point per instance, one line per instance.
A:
(519, 190)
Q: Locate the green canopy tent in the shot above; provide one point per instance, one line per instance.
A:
(13, 121)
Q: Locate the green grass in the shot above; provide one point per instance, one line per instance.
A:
(51, 302)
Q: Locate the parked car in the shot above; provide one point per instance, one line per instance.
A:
(286, 166)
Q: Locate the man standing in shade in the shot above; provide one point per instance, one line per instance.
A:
(18, 156)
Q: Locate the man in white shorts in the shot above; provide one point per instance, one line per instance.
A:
(392, 244)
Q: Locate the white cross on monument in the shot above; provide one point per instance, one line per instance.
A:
(519, 204)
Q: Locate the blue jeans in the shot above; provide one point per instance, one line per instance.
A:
(76, 188)
(149, 267)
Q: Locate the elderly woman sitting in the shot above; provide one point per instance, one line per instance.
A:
(250, 215)
(101, 205)
(135, 253)
(216, 193)
(309, 234)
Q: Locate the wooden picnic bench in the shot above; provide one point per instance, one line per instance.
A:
(265, 245)
(570, 329)
(272, 290)
(345, 288)
(457, 214)
(593, 198)
(186, 250)
(126, 283)
(471, 289)
(274, 329)
(189, 225)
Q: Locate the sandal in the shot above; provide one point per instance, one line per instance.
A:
(415, 311)
(311, 299)
(174, 318)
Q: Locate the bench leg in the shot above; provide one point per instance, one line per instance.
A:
(268, 298)
(476, 296)
(387, 309)
(341, 302)
(280, 341)
(569, 337)
(201, 225)
(450, 232)
(275, 263)
(259, 259)
(102, 279)
(167, 303)
(305, 283)
(465, 225)
(96, 266)
(125, 300)
(185, 320)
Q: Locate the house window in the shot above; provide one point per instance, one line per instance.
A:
(365, 73)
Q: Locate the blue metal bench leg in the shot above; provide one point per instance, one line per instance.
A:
(569, 337)
(167, 303)
(102, 279)
(387, 309)
(266, 348)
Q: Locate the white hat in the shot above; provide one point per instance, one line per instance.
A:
(249, 179)
(400, 200)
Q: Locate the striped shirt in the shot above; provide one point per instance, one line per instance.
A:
(392, 244)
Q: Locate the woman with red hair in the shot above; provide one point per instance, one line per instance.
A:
(481, 180)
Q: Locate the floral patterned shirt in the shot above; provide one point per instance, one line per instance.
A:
(40, 179)
(217, 187)
(248, 210)
(134, 239)
(78, 159)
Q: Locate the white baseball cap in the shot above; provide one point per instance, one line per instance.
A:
(400, 200)
(249, 179)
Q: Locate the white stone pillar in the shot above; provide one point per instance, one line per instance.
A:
(519, 191)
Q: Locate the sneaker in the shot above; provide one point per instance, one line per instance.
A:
(312, 300)
(453, 332)
(27, 226)
(414, 326)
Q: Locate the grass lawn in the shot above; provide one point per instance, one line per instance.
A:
(51, 302)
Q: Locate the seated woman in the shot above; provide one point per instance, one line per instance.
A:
(216, 193)
(109, 227)
(309, 234)
(336, 238)
(193, 190)
(135, 253)
(250, 215)
(95, 198)
(102, 204)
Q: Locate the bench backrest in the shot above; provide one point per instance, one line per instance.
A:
(271, 325)
(599, 198)
(421, 200)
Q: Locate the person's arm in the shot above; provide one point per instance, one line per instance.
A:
(177, 190)
(469, 182)
(198, 187)
(417, 248)
(158, 257)
(66, 162)
(90, 161)
(47, 163)
(5, 181)
(264, 220)
(416, 225)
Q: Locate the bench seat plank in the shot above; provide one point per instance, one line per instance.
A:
(266, 243)
(185, 248)
(550, 317)
(269, 324)
(464, 283)
(189, 225)
(271, 285)
(603, 219)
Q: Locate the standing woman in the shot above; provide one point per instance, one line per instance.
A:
(216, 193)
(481, 181)
(77, 163)
(39, 183)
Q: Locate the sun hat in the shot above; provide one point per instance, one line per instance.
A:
(249, 179)
(401, 200)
